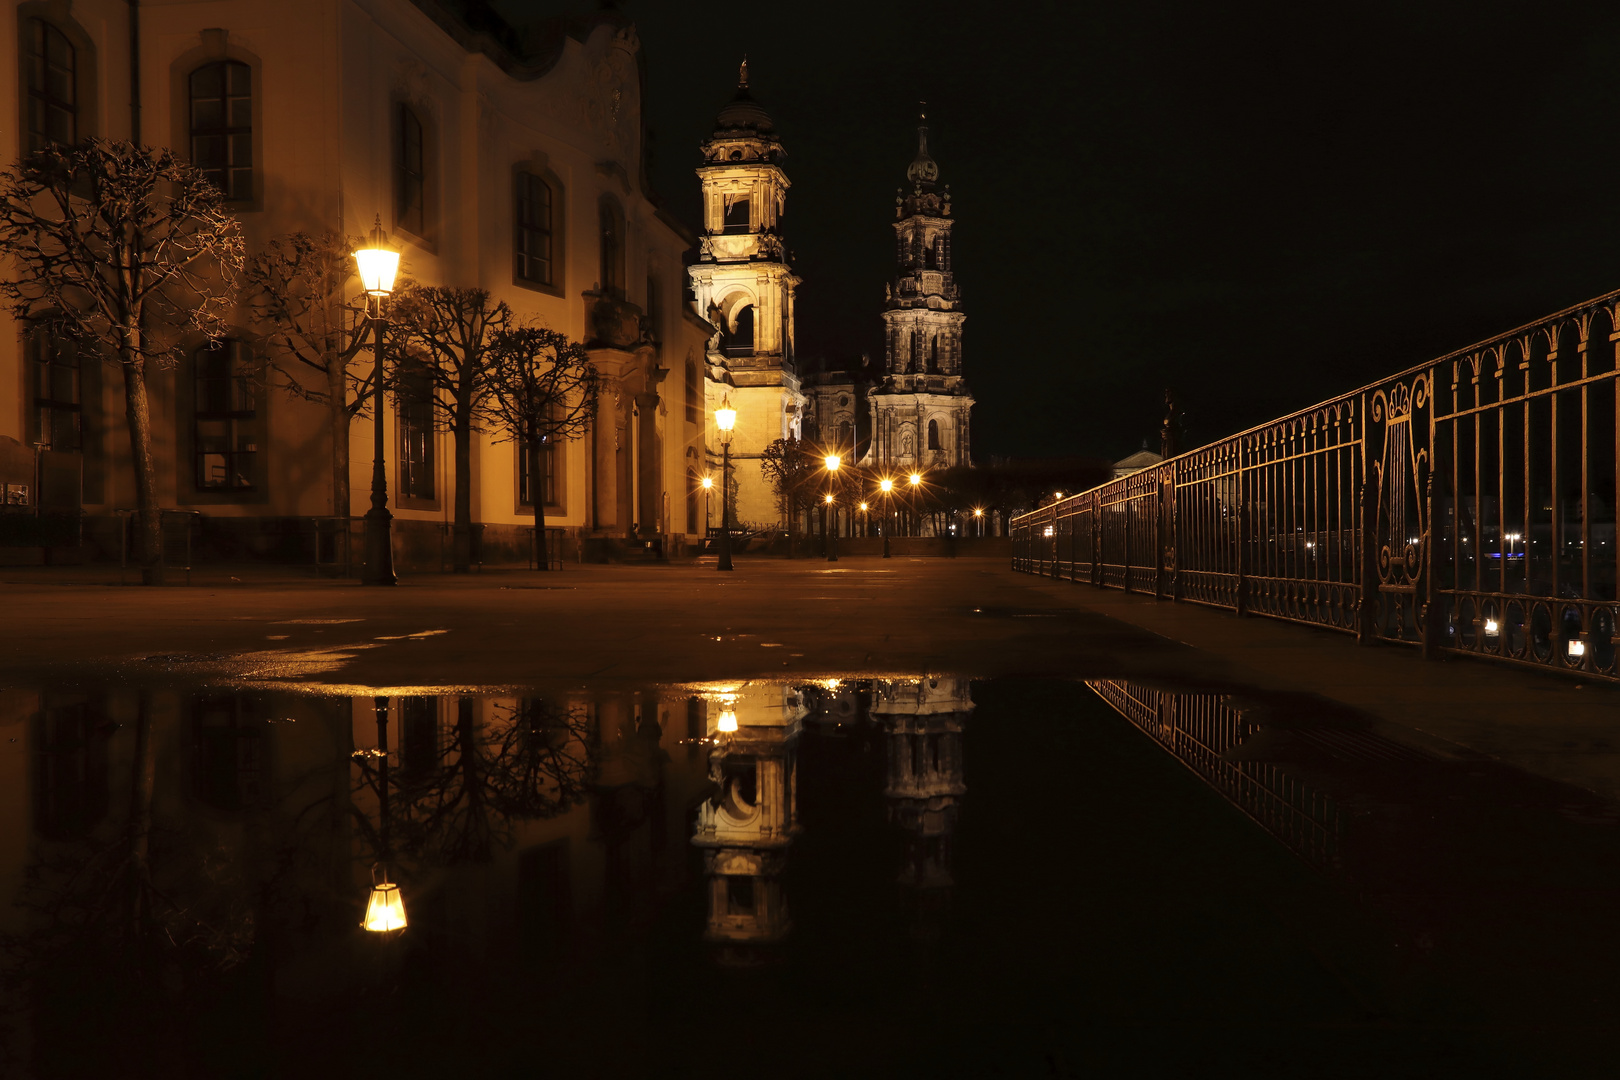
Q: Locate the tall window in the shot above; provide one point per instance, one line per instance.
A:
(224, 432)
(410, 175)
(533, 242)
(737, 216)
(222, 126)
(933, 354)
(611, 220)
(57, 392)
(550, 466)
(741, 342)
(933, 435)
(414, 401)
(53, 111)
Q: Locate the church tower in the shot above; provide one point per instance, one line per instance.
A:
(742, 284)
(920, 412)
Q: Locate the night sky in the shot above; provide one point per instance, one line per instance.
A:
(1257, 205)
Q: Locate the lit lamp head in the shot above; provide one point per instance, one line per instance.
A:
(828, 499)
(863, 508)
(978, 511)
(916, 478)
(728, 721)
(833, 461)
(708, 482)
(378, 263)
(385, 908)
(725, 418)
(886, 484)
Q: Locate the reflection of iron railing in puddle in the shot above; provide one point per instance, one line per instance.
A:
(1200, 729)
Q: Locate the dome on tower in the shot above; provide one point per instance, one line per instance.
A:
(742, 112)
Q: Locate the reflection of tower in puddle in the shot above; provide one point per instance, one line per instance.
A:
(922, 721)
(745, 828)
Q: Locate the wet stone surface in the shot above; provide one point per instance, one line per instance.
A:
(927, 875)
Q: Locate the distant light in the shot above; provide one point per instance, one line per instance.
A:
(978, 511)
(708, 482)
(863, 507)
(1057, 494)
(833, 684)
(385, 910)
(1577, 647)
(1048, 531)
(728, 721)
(1513, 538)
(829, 500)
(886, 484)
(916, 478)
(1310, 543)
(1490, 627)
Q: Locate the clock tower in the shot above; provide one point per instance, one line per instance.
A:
(744, 286)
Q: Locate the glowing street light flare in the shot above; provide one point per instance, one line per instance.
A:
(916, 478)
(728, 722)
(833, 461)
(886, 485)
(385, 909)
(708, 482)
(828, 498)
(378, 263)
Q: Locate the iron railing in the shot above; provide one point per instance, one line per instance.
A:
(1466, 505)
(1203, 731)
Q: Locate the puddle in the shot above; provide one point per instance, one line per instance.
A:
(1036, 872)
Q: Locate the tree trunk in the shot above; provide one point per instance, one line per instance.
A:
(461, 554)
(537, 496)
(337, 398)
(138, 900)
(148, 515)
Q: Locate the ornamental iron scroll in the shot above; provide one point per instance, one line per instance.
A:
(1401, 414)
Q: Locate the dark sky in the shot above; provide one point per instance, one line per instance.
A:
(1260, 205)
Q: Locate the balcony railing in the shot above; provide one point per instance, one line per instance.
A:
(1466, 505)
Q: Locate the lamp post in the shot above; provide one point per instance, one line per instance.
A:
(725, 418)
(978, 521)
(866, 521)
(832, 462)
(707, 484)
(378, 264)
(887, 487)
(385, 907)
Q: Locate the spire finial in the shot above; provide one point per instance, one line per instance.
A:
(742, 74)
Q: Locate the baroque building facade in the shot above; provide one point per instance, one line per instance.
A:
(508, 161)
(743, 285)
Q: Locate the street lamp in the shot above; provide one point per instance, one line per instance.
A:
(725, 418)
(887, 487)
(832, 461)
(707, 483)
(378, 264)
(385, 906)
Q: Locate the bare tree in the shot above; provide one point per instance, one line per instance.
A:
(298, 289)
(444, 334)
(543, 390)
(131, 253)
(790, 466)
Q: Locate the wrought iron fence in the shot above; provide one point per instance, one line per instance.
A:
(1466, 505)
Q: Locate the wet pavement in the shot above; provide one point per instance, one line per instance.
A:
(968, 823)
(904, 875)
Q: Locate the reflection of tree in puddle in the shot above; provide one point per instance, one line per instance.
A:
(468, 769)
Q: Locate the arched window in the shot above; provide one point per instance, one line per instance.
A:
(737, 216)
(933, 435)
(742, 339)
(532, 244)
(224, 433)
(611, 226)
(410, 173)
(933, 355)
(222, 126)
(931, 257)
(52, 66)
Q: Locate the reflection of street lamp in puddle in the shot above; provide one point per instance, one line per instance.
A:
(728, 722)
